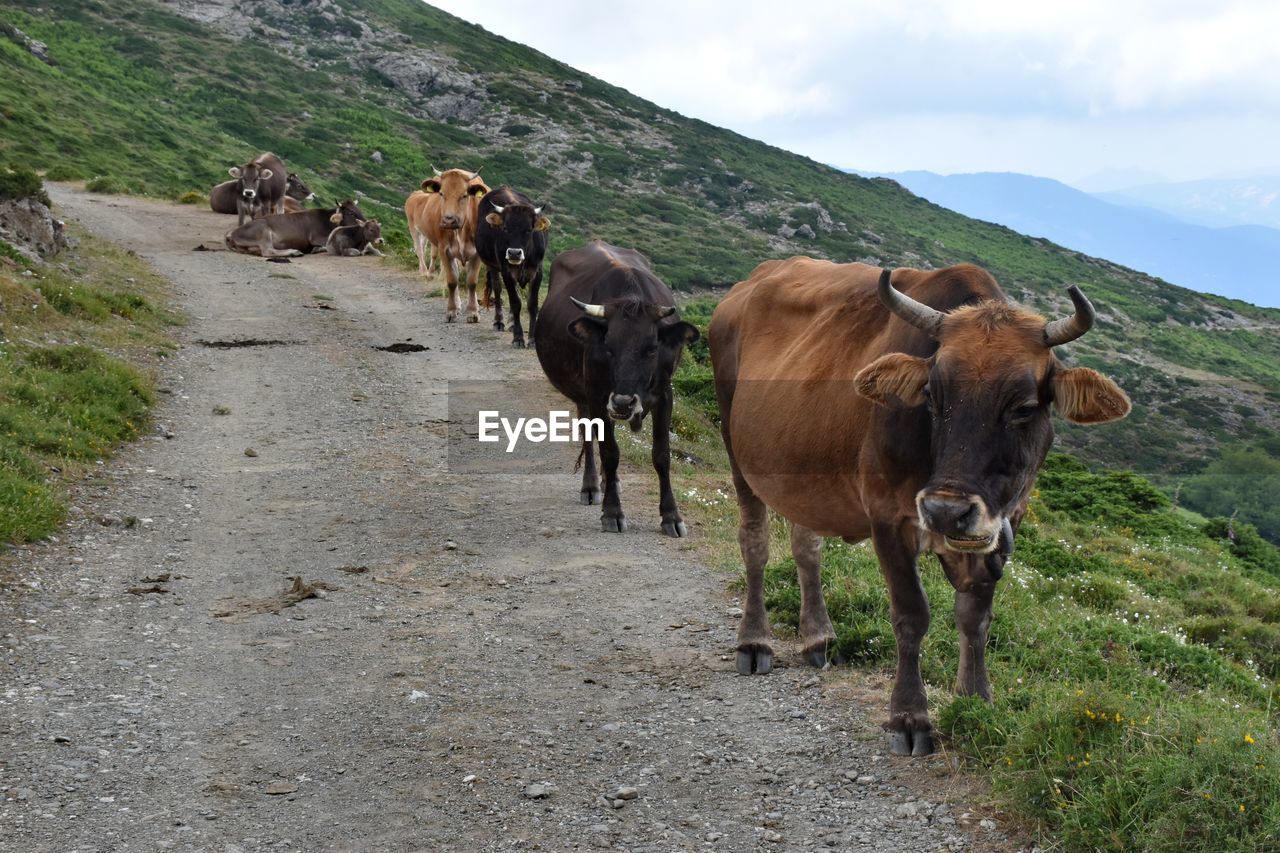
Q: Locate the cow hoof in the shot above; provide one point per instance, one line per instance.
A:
(755, 662)
(823, 654)
(518, 343)
(587, 497)
(609, 524)
(499, 326)
(473, 318)
(916, 743)
(675, 529)
(450, 318)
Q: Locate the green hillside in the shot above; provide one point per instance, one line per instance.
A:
(145, 100)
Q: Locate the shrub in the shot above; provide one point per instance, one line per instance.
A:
(20, 182)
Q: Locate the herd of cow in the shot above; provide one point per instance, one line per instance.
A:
(908, 407)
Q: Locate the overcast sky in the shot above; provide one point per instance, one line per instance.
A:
(1170, 89)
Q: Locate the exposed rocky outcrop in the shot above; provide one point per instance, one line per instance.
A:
(30, 227)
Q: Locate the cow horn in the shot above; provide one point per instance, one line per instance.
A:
(666, 311)
(924, 318)
(537, 210)
(497, 208)
(474, 174)
(434, 171)
(1069, 328)
(587, 308)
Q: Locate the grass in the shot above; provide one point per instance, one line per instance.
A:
(69, 388)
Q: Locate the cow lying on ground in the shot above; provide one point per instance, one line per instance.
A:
(222, 198)
(355, 240)
(285, 234)
(913, 411)
(609, 340)
(511, 240)
(446, 218)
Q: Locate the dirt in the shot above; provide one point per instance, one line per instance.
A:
(351, 647)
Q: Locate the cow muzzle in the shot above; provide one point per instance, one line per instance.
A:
(451, 223)
(626, 407)
(962, 520)
(515, 257)
(250, 194)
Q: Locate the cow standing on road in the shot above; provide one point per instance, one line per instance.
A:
(259, 186)
(609, 340)
(511, 240)
(444, 214)
(912, 408)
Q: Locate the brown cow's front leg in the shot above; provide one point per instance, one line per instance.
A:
(611, 520)
(672, 522)
(473, 307)
(450, 267)
(975, 588)
(909, 729)
(816, 630)
(590, 493)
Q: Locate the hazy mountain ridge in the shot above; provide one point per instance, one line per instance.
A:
(161, 98)
(1215, 202)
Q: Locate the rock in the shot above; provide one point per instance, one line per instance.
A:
(376, 157)
(987, 824)
(627, 793)
(221, 410)
(907, 810)
(536, 792)
(249, 451)
(28, 226)
(450, 545)
(277, 788)
(806, 231)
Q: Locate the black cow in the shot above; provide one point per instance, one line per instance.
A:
(290, 234)
(511, 240)
(609, 340)
(259, 186)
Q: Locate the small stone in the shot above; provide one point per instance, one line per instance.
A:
(221, 409)
(987, 824)
(468, 779)
(250, 452)
(627, 793)
(773, 837)
(536, 792)
(617, 804)
(277, 788)
(376, 156)
(907, 809)
(865, 780)
(450, 545)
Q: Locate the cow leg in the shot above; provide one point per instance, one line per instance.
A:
(672, 522)
(973, 621)
(816, 630)
(450, 270)
(611, 519)
(755, 651)
(909, 729)
(534, 287)
(267, 248)
(473, 308)
(495, 290)
(590, 493)
(513, 295)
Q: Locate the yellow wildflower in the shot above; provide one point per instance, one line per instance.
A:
(1248, 739)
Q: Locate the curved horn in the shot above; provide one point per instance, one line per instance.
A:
(474, 174)
(588, 309)
(537, 210)
(434, 171)
(1069, 328)
(497, 208)
(924, 318)
(666, 311)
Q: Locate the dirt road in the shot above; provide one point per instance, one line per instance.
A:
(482, 668)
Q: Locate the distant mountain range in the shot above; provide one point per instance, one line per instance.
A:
(1217, 203)
(1240, 262)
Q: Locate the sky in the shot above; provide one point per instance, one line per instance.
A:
(1097, 93)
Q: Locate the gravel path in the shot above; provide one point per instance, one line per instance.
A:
(478, 668)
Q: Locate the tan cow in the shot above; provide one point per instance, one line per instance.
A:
(911, 408)
(443, 216)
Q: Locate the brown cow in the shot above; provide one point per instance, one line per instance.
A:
(447, 219)
(915, 414)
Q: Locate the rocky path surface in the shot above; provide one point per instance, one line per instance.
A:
(478, 667)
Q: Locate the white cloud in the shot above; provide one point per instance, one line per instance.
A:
(977, 82)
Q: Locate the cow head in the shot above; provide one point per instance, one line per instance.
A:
(628, 338)
(249, 177)
(515, 225)
(457, 189)
(347, 213)
(296, 189)
(371, 232)
(988, 389)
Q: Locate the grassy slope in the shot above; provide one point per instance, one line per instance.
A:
(70, 336)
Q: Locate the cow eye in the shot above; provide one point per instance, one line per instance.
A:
(1022, 414)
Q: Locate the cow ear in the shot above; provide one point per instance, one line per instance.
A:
(587, 329)
(542, 223)
(266, 174)
(1085, 396)
(678, 334)
(894, 380)
(234, 171)
(336, 218)
(494, 219)
(478, 190)
(431, 185)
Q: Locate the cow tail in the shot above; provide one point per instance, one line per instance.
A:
(577, 466)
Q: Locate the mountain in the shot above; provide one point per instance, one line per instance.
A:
(1212, 202)
(160, 98)
(1241, 262)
